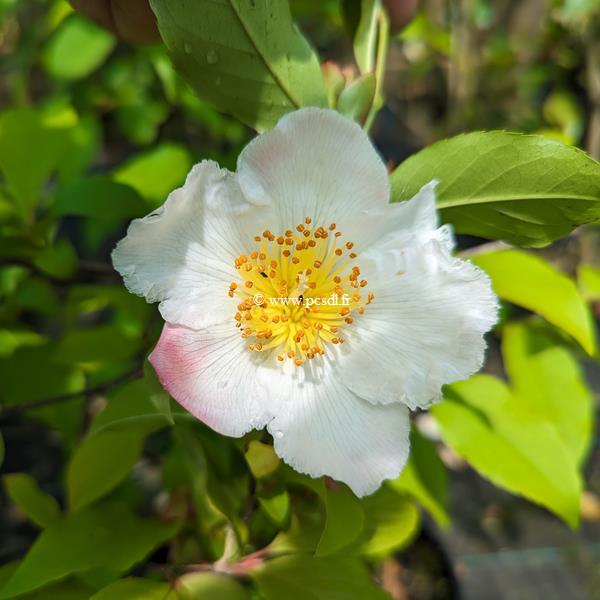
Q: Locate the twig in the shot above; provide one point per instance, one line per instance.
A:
(15, 409)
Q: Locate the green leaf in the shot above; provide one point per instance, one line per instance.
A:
(211, 586)
(277, 506)
(392, 520)
(524, 189)
(548, 381)
(58, 260)
(356, 100)
(529, 281)
(100, 463)
(11, 339)
(261, 459)
(588, 278)
(30, 151)
(365, 36)
(247, 58)
(101, 537)
(76, 49)
(39, 507)
(135, 589)
(99, 197)
(345, 520)
(154, 174)
(158, 396)
(485, 424)
(424, 478)
(303, 577)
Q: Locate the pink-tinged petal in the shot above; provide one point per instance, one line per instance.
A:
(212, 375)
(314, 163)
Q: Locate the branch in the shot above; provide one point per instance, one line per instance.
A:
(16, 409)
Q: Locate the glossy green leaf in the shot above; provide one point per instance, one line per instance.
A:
(588, 278)
(424, 477)
(99, 197)
(524, 189)
(344, 522)
(100, 463)
(101, 537)
(485, 424)
(548, 381)
(77, 48)
(135, 589)
(38, 506)
(246, 58)
(303, 577)
(30, 151)
(261, 459)
(154, 174)
(529, 281)
(212, 586)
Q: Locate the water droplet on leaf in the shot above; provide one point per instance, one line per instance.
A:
(211, 57)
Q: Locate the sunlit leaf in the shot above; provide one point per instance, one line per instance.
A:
(529, 281)
(524, 189)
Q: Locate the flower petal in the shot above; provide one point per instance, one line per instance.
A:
(425, 327)
(314, 163)
(212, 375)
(182, 254)
(322, 428)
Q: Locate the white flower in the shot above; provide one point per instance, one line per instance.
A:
(306, 217)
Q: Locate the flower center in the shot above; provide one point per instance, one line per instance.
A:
(298, 291)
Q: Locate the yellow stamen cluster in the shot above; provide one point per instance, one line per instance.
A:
(297, 291)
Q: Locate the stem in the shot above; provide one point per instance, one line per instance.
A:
(16, 409)
(383, 42)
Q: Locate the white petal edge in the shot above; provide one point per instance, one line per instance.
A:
(316, 163)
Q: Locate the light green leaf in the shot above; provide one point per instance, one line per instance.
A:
(39, 507)
(277, 506)
(344, 522)
(356, 100)
(588, 278)
(76, 49)
(524, 189)
(101, 537)
(247, 58)
(30, 151)
(529, 281)
(485, 424)
(11, 339)
(99, 197)
(365, 37)
(100, 463)
(154, 174)
(424, 478)
(302, 577)
(548, 381)
(261, 459)
(135, 589)
(158, 396)
(212, 586)
(392, 520)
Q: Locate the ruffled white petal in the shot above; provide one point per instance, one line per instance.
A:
(426, 325)
(183, 253)
(314, 163)
(212, 374)
(322, 428)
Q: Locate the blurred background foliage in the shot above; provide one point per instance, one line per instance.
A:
(111, 491)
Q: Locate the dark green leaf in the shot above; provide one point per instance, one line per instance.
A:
(247, 58)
